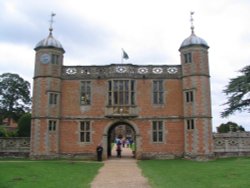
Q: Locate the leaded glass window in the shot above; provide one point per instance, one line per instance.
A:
(121, 92)
(189, 95)
(190, 124)
(158, 92)
(157, 131)
(188, 57)
(53, 98)
(85, 95)
(52, 125)
(85, 131)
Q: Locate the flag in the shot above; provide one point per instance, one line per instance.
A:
(124, 55)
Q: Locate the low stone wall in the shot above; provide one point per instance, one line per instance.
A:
(158, 155)
(232, 144)
(68, 156)
(15, 147)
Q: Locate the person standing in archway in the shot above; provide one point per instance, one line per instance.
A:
(99, 151)
(118, 148)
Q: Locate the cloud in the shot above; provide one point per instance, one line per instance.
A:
(18, 23)
(151, 31)
(22, 62)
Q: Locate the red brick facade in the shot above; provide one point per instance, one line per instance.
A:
(77, 107)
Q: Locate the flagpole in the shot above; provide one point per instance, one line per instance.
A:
(122, 56)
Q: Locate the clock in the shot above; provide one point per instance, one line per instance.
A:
(45, 58)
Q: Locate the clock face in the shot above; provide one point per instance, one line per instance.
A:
(45, 58)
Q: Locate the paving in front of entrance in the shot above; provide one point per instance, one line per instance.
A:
(120, 173)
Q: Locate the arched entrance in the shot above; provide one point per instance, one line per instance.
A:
(125, 134)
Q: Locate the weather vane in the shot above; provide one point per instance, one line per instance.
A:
(192, 21)
(51, 22)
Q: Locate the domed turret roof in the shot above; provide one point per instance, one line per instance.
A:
(193, 40)
(49, 42)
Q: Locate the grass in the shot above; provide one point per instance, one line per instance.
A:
(49, 174)
(222, 173)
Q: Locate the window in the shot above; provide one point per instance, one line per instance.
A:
(55, 59)
(189, 95)
(52, 125)
(158, 91)
(121, 92)
(85, 93)
(190, 124)
(188, 57)
(85, 131)
(53, 98)
(157, 131)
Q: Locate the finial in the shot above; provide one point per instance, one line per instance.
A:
(51, 23)
(192, 21)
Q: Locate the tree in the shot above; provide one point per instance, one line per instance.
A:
(24, 124)
(238, 91)
(14, 96)
(229, 126)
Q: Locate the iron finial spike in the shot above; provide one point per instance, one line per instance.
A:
(192, 21)
(51, 22)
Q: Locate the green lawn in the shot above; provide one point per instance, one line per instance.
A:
(47, 174)
(222, 173)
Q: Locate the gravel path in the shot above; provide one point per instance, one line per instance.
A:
(120, 173)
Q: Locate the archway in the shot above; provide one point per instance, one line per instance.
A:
(124, 133)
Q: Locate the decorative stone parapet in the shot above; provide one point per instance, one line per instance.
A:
(232, 144)
(121, 71)
(15, 147)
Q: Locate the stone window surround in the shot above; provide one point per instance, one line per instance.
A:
(157, 132)
(188, 57)
(189, 96)
(129, 93)
(190, 124)
(85, 92)
(53, 98)
(158, 92)
(52, 125)
(85, 129)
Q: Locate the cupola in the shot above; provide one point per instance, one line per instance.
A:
(50, 41)
(193, 39)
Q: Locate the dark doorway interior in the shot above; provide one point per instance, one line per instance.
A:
(125, 133)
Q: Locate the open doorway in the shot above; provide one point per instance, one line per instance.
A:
(122, 136)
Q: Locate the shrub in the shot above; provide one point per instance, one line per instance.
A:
(3, 132)
(24, 125)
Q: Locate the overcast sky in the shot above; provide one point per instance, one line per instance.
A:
(93, 32)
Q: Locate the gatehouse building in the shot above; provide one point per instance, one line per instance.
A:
(164, 109)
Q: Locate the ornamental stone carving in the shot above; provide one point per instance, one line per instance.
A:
(122, 71)
(143, 70)
(157, 70)
(172, 70)
(71, 71)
